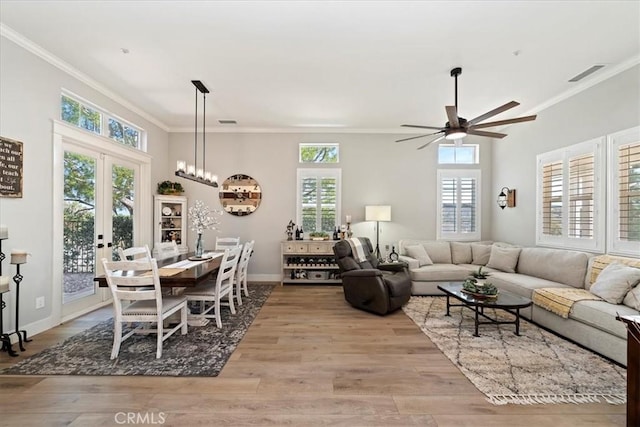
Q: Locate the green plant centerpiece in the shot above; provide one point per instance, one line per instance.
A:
(483, 275)
(486, 289)
(319, 235)
(170, 188)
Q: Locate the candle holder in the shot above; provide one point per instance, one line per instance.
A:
(17, 279)
(5, 338)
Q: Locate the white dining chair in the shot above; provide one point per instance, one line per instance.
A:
(135, 253)
(241, 272)
(215, 292)
(223, 243)
(165, 250)
(138, 300)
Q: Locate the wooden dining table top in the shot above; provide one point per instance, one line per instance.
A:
(190, 277)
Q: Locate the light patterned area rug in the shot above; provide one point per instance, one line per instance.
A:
(535, 367)
(202, 352)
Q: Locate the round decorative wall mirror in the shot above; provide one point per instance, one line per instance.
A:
(240, 195)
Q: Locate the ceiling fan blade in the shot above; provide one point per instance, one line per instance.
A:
(414, 137)
(430, 142)
(493, 112)
(485, 133)
(452, 115)
(422, 127)
(504, 122)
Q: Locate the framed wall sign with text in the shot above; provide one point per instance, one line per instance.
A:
(11, 160)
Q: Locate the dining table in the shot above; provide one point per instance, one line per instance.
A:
(182, 271)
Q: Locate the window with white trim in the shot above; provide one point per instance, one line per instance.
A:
(571, 197)
(461, 154)
(459, 204)
(87, 116)
(318, 199)
(319, 153)
(624, 192)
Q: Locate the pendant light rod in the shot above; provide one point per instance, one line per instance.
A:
(192, 172)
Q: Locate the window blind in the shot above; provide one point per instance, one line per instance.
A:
(319, 196)
(581, 193)
(552, 198)
(629, 192)
(458, 205)
(448, 211)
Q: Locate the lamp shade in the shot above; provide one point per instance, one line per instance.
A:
(377, 213)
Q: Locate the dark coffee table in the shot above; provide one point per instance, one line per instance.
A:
(504, 301)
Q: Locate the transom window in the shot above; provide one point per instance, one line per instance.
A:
(467, 154)
(80, 113)
(319, 153)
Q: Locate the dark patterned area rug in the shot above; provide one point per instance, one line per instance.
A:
(202, 352)
(535, 367)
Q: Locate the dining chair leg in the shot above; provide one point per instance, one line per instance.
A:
(117, 339)
(245, 287)
(183, 319)
(231, 304)
(238, 292)
(217, 308)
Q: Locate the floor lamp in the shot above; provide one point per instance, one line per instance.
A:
(377, 213)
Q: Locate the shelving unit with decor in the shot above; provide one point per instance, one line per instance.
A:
(309, 262)
(170, 219)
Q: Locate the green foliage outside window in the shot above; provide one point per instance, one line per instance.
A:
(310, 153)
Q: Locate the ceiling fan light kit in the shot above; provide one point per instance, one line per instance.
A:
(458, 127)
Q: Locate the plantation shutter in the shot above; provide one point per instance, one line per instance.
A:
(318, 201)
(552, 198)
(459, 197)
(629, 192)
(309, 199)
(448, 211)
(581, 199)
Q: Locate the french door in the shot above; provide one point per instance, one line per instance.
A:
(99, 195)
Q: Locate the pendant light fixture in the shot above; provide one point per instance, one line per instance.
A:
(192, 172)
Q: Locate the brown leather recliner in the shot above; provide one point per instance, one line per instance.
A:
(369, 285)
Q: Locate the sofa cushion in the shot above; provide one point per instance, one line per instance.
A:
(504, 258)
(615, 281)
(521, 284)
(602, 315)
(439, 272)
(461, 253)
(420, 253)
(599, 263)
(562, 266)
(632, 299)
(439, 251)
(480, 253)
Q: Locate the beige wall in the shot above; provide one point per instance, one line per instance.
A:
(608, 107)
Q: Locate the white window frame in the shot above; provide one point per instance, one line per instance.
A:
(317, 173)
(459, 174)
(614, 244)
(597, 242)
(318, 144)
(476, 155)
(105, 115)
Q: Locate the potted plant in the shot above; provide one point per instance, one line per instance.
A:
(170, 188)
(480, 274)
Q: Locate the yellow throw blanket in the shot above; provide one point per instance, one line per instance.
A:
(602, 261)
(560, 300)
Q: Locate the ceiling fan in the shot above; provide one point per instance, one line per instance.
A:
(457, 127)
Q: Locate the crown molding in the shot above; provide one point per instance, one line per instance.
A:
(300, 130)
(47, 56)
(597, 78)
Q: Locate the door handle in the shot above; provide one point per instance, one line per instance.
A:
(100, 245)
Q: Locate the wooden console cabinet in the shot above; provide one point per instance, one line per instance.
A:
(633, 369)
(309, 262)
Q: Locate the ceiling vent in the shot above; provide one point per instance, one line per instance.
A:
(227, 122)
(585, 73)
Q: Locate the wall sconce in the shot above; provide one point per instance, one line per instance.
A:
(507, 199)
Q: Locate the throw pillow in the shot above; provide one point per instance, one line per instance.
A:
(633, 298)
(504, 258)
(420, 253)
(615, 281)
(461, 253)
(480, 254)
(439, 251)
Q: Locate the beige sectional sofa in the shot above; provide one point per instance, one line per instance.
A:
(520, 271)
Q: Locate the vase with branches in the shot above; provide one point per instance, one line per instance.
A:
(203, 218)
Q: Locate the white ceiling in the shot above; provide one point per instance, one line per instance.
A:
(344, 66)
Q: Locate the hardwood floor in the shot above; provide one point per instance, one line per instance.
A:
(308, 359)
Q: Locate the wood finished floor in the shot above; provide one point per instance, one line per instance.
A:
(308, 359)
